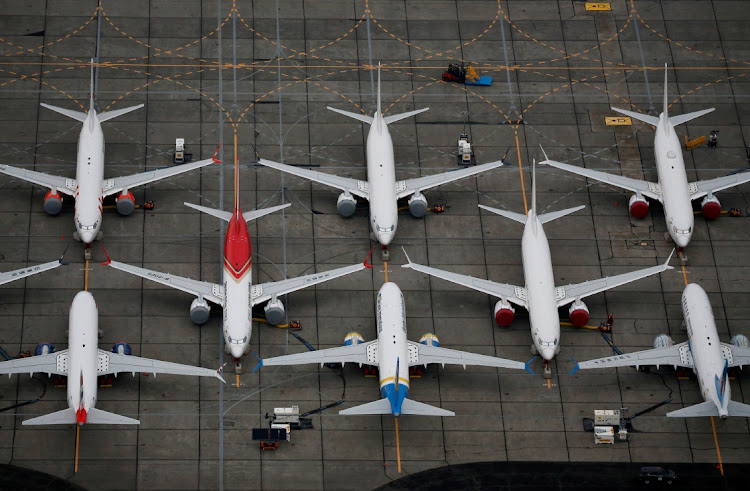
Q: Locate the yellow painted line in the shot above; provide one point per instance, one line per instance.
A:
(78, 440)
(684, 272)
(716, 442)
(385, 264)
(593, 328)
(238, 380)
(618, 121)
(549, 383)
(520, 173)
(598, 6)
(398, 446)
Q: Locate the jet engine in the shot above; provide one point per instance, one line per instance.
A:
(740, 340)
(274, 311)
(504, 313)
(346, 205)
(46, 349)
(663, 341)
(199, 311)
(53, 202)
(430, 339)
(418, 205)
(125, 203)
(122, 349)
(353, 339)
(711, 207)
(638, 206)
(579, 314)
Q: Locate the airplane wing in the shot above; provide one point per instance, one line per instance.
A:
(119, 184)
(408, 187)
(699, 189)
(646, 188)
(209, 291)
(56, 363)
(569, 293)
(28, 271)
(514, 294)
(354, 186)
(677, 355)
(363, 353)
(739, 357)
(115, 363)
(63, 184)
(433, 354)
(265, 291)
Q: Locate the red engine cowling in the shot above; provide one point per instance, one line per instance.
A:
(504, 313)
(638, 206)
(125, 203)
(53, 202)
(711, 207)
(579, 314)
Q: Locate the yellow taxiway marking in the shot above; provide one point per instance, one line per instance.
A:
(684, 272)
(398, 446)
(238, 380)
(716, 442)
(618, 121)
(78, 439)
(385, 265)
(598, 6)
(549, 383)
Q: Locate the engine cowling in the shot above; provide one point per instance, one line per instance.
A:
(125, 203)
(740, 340)
(53, 202)
(663, 341)
(579, 314)
(353, 339)
(346, 205)
(122, 348)
(199, 311)
(43, 349)
(504, 313)
(430, 339)
(711, 207)
(418, 205)
(638, 206)
(274, 311)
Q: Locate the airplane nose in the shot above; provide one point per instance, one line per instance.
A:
(237, 350)
(87, 237)
(548, 353)
(385, 238)
(682, 240)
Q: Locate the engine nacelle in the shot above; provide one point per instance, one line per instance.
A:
(346, 205)
(638, 206)
(125, 203)
(353, 339)
(122, 349)
(711, 207)
(740, 340)
(274, 311)
(53, 202)
(199, 311)
(579, 314)
(43, 349)
(663, 341)
(504, 313)
(430, 339)
(418, 205)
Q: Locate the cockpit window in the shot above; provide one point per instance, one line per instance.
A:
(385, 229)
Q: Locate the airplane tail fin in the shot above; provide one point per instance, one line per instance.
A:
(67, 416)
(518, 217)
(227, 215)
(382, 406)
(554, 215)
(666, 93)
(652, 120)
(533, 185)
(721, 383)
(738, 409)
(684, 118)
(409, 406)
(77, 115)
(99, 417)
(378, 109)
(707, 408)
(63, 417)
(102, 117)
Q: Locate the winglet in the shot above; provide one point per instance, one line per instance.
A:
(408, 259)
(545, 155)
(669, 259)
(369, 266)
(575, 369)
(63, 263)
(219, 371)
(217, 161)
(260, 363)
(108, 261)
(526, 365)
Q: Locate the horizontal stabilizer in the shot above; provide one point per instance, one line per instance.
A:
(255, 214)
(520, 218)
(99, 417)
(358, 116)
(409, 406)
(652, 120)
(738, 409)
(684, 118)
(77, 115)
(221, 214)
(707, 408)
(398, 117)
(102, 117)
(383, 406)
(548, 217)
(64, 417)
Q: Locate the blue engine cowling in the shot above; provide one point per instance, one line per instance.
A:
(122, 349)
(353, 339)
(44, 349)
(430, 339)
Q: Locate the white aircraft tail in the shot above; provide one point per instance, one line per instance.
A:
(63, 417)
(99, 417)
(227, 215)
(409, 406)
(67, 416)
(738, 409)
(382, 406)
(707, 408)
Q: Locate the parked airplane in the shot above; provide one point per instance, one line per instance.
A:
(89, 188)
(703, 352)
(539, 296)
(237, 295)
(381, 188)
(393, 354)
(82, 362)
(672, 189)
(17, 274)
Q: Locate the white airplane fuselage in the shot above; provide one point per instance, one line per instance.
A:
(540, 288)
(83, 351)
(381, 176)
(392, 346)
(705, 347)
(673, 183)
(237, 277)
(90, 179)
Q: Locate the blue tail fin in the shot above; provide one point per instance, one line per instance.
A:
(721, 384)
